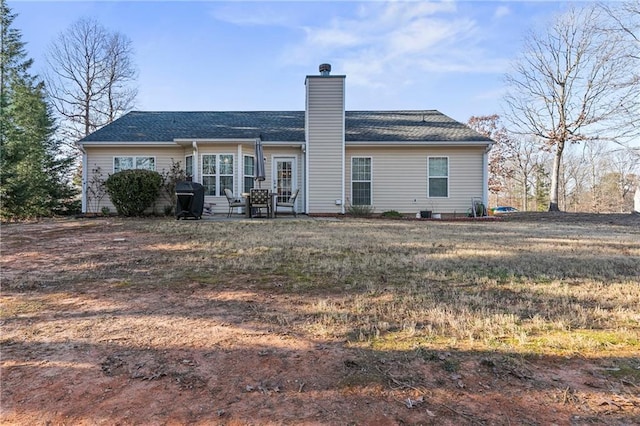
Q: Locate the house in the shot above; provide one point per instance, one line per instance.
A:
(391, 160)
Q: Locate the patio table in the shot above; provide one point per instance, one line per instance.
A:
(247, 204)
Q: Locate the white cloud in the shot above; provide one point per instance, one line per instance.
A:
(501, 12)
(259, 15)
(383, 44)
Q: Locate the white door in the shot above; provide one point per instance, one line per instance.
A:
(284, 176)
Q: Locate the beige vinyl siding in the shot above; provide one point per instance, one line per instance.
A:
(399, 178)
(103, 158)
(325, 143)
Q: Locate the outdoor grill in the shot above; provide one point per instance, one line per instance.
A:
(189, 200)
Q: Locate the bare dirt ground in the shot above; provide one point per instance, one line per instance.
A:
(110, 352)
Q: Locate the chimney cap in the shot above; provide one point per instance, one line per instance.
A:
(325, 69)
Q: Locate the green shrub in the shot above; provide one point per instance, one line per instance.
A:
(133, 191)
(391, 214)
(360, 210)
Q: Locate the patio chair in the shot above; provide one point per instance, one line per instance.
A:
(233, 201)
(291, 202)
(259, 199)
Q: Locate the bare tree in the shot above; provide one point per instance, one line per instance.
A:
(625, 168)
(624, 18)
(527, 159)
(573, 84)
(624, 21)
(499, 170)
(513, 160)
(91, 77)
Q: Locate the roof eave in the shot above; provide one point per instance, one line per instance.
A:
(125, 144)
(188, 141)
(419, 143)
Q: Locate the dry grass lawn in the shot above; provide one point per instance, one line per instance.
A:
(533, 319)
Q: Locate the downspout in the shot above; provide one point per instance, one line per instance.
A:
(85, 177)
(196, 162)
(485, 176)
(303, 148)
(240, 187)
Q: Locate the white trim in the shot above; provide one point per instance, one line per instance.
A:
(196, 162)
(430, 144)
(370, 178)
(217, 174)
(125, 144)
(485, 176)
(85, 179)
(240, 172)
(307, 145)
(226, 140)
(284, 144)
(187, 155)
(294, 172)
(435, 177)
(245, 175)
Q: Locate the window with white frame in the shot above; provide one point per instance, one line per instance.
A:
(249, 164)
(217, 173)
(133, 162)
(361, 181)
(438, 177)
(188, 166)
(226, 172)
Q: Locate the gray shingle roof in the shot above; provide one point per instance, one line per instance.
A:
(282, 126)
(405, 126)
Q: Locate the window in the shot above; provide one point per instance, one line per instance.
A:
(361, 181)
(217, 173)
(226, 173)
(188, 166)
(209, 174)
(249, 164)
(127, 163)
(438, 176)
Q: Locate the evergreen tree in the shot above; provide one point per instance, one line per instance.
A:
(33, 172)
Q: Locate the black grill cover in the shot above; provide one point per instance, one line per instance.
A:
(189, 200)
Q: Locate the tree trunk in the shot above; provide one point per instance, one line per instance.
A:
(555, 178)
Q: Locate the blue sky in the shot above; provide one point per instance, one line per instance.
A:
(240, 55)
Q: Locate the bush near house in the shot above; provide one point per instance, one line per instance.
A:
(394, 214)
(360, 210)
(133, 191)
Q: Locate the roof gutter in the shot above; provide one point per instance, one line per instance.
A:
(391, 144)
(188, 141)
(124, 144)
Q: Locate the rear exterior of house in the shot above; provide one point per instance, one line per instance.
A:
(406, 161)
